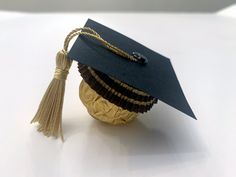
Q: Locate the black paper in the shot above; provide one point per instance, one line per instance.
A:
(157, 77)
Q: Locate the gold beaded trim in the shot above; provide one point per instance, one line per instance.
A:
(139, 92)
(117, 93)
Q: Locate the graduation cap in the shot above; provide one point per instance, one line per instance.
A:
(118, 72)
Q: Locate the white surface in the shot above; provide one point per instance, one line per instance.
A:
(163, 142)
(229, 11)
(5, 15)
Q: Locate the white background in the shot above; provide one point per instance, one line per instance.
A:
(163, 142)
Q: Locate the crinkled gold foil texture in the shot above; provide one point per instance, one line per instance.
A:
(102, 109)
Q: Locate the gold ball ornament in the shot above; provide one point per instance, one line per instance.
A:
(101, 109)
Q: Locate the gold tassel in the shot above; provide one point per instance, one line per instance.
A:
(49, 114)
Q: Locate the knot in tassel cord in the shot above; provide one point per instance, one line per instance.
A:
(49, 114)
(62, 66)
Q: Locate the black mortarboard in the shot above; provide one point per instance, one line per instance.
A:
(156, 77)
(133, 81)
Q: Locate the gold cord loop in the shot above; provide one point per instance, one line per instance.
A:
(93, 34)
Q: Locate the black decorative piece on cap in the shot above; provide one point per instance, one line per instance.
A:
(140, 58)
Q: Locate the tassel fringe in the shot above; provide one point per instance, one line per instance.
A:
(49, 114)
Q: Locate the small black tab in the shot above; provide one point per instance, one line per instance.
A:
(140, 58)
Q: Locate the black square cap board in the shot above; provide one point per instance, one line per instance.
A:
(157, 77)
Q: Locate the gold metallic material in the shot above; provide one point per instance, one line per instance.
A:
(101, 109)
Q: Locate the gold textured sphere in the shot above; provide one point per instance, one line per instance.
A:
(101, 109)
